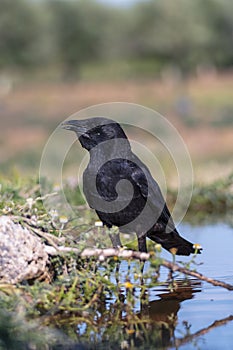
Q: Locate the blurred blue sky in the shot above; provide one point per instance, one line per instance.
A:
(119, 2)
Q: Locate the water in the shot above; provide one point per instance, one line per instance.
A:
(213, 304)
(199, 315)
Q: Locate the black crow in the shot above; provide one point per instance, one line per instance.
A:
(121, 188)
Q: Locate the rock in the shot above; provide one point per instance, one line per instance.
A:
(22, 255)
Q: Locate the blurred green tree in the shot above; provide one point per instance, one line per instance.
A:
(181, 33)
(66, 34)
(20, 34)
(218, 16)
(78, 34)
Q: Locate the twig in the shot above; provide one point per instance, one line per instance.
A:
(176, 267)
(46, 196)
(47, 236)
(51, 250)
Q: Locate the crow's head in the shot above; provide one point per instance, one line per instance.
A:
(91, 132)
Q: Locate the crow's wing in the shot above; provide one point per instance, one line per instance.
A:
(151, 191)
(131, 168)
(169, 238)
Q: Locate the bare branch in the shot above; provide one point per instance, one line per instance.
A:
(176, 267)
(111, 252)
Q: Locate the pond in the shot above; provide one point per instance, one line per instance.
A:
(194, 315)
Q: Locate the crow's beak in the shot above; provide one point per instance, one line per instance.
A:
(74, 125)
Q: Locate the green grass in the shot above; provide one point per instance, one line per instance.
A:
(213, 200)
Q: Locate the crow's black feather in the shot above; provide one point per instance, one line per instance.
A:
(134, 205)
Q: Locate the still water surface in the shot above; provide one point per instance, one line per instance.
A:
(203, 313)
(211, 304)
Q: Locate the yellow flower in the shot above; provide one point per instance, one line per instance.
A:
(173, 250)
(196, 246)
(128, 285)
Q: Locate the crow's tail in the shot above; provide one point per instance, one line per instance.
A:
(174, 243)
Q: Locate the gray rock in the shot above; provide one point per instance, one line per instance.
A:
(22, 255)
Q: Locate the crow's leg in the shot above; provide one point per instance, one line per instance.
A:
(115, 239)
(142, 243)
(114, 235)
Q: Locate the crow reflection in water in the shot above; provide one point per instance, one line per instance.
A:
(121, 189)
(163, 313)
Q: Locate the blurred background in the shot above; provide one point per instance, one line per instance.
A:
(59, 56)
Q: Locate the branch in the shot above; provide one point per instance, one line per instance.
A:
(176, 267)
(111, 252)
(103, 254)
